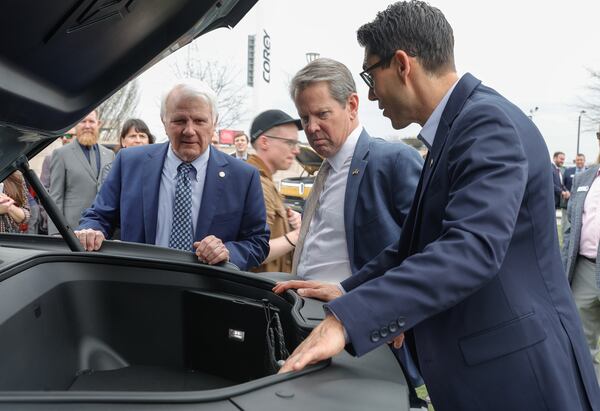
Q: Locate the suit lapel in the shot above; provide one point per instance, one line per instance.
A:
(357, 170)
(463, 90)
(465, 87)
(152, 176)
(214, 183)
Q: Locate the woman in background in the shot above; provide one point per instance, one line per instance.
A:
(133, 133)
(14, 207)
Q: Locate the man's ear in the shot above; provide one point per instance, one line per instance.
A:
(402, 64)
(353, 105)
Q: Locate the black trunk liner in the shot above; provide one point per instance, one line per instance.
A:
(147, 378)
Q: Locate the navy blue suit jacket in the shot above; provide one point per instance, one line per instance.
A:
(476, 279)
(569, 175)
(232, 206)
(558, 187)
(381, 185)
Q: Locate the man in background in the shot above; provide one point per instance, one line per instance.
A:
(241, 146)
(274, 137)
(75, 171)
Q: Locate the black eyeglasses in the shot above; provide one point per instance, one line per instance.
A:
(291, 143)
(367, 77)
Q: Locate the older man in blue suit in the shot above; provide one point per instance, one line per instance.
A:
(183, 194)
(476, 281)
(364, 189)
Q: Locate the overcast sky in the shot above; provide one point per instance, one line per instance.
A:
(536, 53)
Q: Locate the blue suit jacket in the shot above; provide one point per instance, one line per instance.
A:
(558, 187)
(476, 276)
(569, 175)
(381, 185)
(232, 206)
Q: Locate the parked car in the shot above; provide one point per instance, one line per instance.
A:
(295, 190)
(133, 326)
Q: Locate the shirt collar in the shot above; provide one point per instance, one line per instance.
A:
(338, 159)
(427, 134)
(172, 162)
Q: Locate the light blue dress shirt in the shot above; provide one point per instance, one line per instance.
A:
(427, 134)
(166, 193)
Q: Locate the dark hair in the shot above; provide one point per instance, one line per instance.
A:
(557, 153)
(139, 126)
(580, 155)
(415, 27)
(240, 134)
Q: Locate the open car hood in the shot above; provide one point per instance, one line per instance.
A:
(60, 59)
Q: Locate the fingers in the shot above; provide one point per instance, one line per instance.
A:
(211, 250)
(398, 341)
(323, 293)
(281, 287)
(324, 342)
(91, 240)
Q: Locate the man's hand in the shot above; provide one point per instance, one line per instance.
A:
(566, 195)
(91, 240)
(398, 341)
(211, 250)
(324, 342)
(294, 218)
(312, 289)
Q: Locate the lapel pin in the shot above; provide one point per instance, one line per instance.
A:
(221, 174)
(355, 172)
(431, 163)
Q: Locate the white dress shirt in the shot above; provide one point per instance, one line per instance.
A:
(166, 193)
(325, 253)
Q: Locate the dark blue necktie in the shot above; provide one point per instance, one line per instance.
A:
(181, 230)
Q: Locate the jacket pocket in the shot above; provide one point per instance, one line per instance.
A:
(502, 339)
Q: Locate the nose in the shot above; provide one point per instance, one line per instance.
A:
(296, 150)
(312, 125)
(372, 95)
(189, 129)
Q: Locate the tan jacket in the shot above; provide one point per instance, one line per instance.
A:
(276, 216)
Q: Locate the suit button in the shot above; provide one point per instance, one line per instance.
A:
(393, 327)
(384, 332)
(401, 321)
(375, 336)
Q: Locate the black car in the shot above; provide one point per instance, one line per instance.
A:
(136, 326)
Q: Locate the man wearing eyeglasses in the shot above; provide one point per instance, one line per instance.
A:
(274, 137)
(476, 280)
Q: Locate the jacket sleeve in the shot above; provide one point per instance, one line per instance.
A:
(104, 214)
(486, 167)
(57, 186)
(252, 246)
(564, 251)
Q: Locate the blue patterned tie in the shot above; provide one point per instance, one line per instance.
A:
(181, 229)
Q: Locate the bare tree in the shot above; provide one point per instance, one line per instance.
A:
(223, 79)
(591, 104)
(118, 108)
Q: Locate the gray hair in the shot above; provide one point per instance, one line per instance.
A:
(335, 74)
(192, 88)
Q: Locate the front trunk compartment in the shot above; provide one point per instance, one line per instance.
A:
(85, 323)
